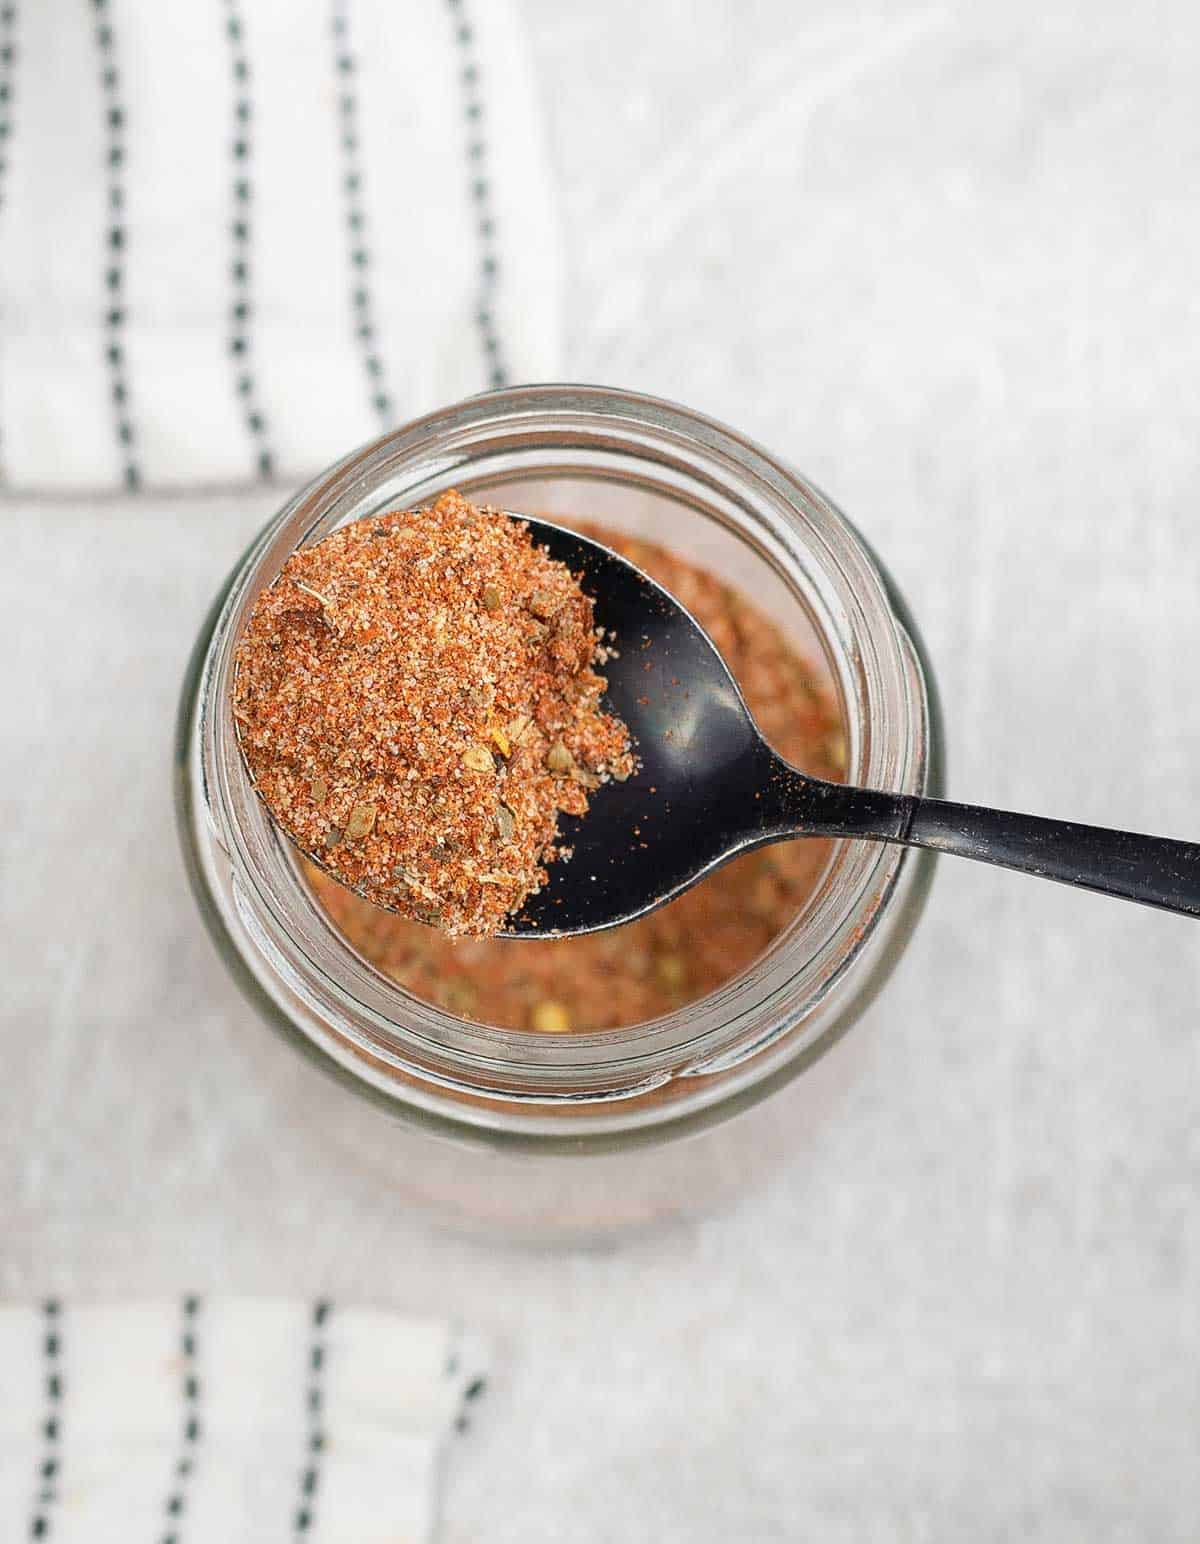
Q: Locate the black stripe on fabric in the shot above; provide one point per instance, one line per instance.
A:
(483, 211)
(189, 1386)
(356, 217)
(241, 305)
(50, 1464)
(473, 1391)
(8, 60)
(8, 63)
(115, 240)
(314, 1408)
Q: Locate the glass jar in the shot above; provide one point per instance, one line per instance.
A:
(576, 1132)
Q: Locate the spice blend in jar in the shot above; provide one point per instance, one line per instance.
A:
(687, 948)
(416, 701)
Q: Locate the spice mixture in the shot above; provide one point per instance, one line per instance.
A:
(416, 702)
(685, 949)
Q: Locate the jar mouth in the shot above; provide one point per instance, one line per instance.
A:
(584, 435)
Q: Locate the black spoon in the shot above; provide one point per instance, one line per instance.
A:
(710, 787)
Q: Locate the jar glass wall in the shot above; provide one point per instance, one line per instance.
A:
(575, 1130)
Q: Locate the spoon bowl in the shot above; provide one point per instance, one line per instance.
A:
(646, 840)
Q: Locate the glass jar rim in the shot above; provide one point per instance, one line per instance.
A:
(506, 433)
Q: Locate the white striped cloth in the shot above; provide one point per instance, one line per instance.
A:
(235, 1421)
(239, 237)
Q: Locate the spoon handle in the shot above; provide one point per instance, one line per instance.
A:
(1155, 870)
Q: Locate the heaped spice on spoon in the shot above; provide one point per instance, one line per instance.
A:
(694, 944)
(416, 700)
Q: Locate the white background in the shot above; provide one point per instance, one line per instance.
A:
(944, 257)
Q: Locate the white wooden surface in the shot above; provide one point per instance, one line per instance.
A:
(945, 257)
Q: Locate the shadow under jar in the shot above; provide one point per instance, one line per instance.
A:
(578, 1133)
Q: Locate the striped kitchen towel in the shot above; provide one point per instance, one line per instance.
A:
(239, 237)
(225, 1421)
